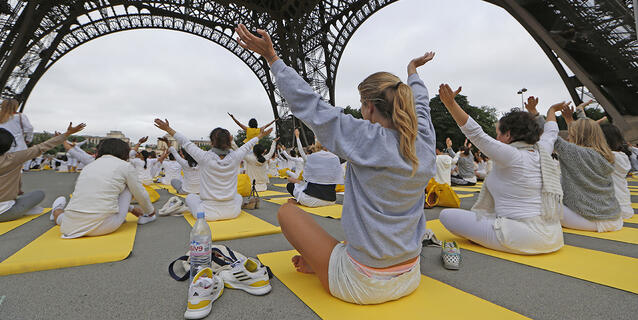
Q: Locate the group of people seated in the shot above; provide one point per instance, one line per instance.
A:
(526, 199)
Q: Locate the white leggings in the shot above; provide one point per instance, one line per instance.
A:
(463, 223)
(292, 174)
(113, 222)
(573, 220)
(215, 210)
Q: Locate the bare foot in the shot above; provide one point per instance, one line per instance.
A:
(301, 265)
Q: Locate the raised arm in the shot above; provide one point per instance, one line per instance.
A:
(241, 152)
(422, 98)
(39, 149)
(243, 127)
(550, 128)
(493, 148)
(267, 125)
(75, 152)
(300, 146)
(198, 154)
(271, 152)
(27, 128)
(182, 162)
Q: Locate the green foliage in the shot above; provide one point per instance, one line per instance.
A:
(445, 126)
(241, 135)
(44, 136)
(206, 147)
(353, 112)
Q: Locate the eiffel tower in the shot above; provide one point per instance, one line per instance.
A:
(595, 39)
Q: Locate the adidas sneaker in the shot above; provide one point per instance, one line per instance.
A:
(240, 272)
(202, 292)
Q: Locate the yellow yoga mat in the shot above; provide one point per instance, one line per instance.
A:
(466, 189)
(157, 186)
(608, 269)
(49, 251)
(333, 211)
(626, 234)
(633, 219)
(10, 225)
(281, 185)
(634, 205)
(465, 195)
(432, 299)
(244, 226)
(271, 193)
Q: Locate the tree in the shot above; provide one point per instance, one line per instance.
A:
(445, 126)
(353, 112)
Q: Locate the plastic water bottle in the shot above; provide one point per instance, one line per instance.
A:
(200, 243)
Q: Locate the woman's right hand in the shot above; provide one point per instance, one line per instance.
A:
(261, 45)
(447, 95)
(73, 130)
(297, 133)
(531, 104)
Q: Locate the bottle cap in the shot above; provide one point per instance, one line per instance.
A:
(201, 215)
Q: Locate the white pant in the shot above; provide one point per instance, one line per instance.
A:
(112, 222)
(526, 236)
(573, 220)
(350, 285)
(308, 200)
(293, 175)
(215, 210)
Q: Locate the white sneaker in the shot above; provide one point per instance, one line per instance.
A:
(146, 219)
(59, 203)
(202, 292)
(174, 206)
(240, 272)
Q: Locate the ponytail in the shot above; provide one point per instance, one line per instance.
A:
(404, 119)
(395, 101)
(145, 155)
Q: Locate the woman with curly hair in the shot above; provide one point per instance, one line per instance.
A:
(518, 209)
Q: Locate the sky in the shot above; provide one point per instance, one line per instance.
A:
(124, 80)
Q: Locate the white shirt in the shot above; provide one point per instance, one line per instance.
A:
(443, 169)
(218, 176)
(515, 181)
(621, 168)
(144, 174)
(13, 125)
(191, 179)
(96, 194)
(172, 170)
(323, 167)
(256, 170)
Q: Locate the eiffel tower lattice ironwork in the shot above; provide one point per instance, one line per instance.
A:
(595, 39)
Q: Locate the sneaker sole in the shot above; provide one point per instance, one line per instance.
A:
(257, 291)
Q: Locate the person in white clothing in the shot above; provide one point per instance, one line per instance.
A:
(102, 195)
(16, 123)
(443, 168)
(144, 167)
(256, 165)
(622, 165)
(190, 182)
(218, 169)
(519, 207)
(482, 167)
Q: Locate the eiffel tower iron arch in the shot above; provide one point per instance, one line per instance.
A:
(311, 36)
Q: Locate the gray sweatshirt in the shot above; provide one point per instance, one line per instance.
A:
(586, 178)
(383, 215)
(465, 164)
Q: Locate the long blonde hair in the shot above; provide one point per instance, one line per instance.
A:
(7, 109)
(394, 100)
(587, 133)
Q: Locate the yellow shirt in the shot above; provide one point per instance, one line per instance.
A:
(251, 133)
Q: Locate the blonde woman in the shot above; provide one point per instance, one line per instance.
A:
(16, 123)
(391, 158)
(587, 166)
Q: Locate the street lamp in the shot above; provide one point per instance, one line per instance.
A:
(522, 93)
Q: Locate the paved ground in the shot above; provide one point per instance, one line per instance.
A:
(140, 287)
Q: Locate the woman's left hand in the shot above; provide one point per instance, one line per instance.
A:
(164, 125)
(419, 61)
(261, 45)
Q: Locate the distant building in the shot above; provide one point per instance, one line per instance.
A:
(112, 134)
